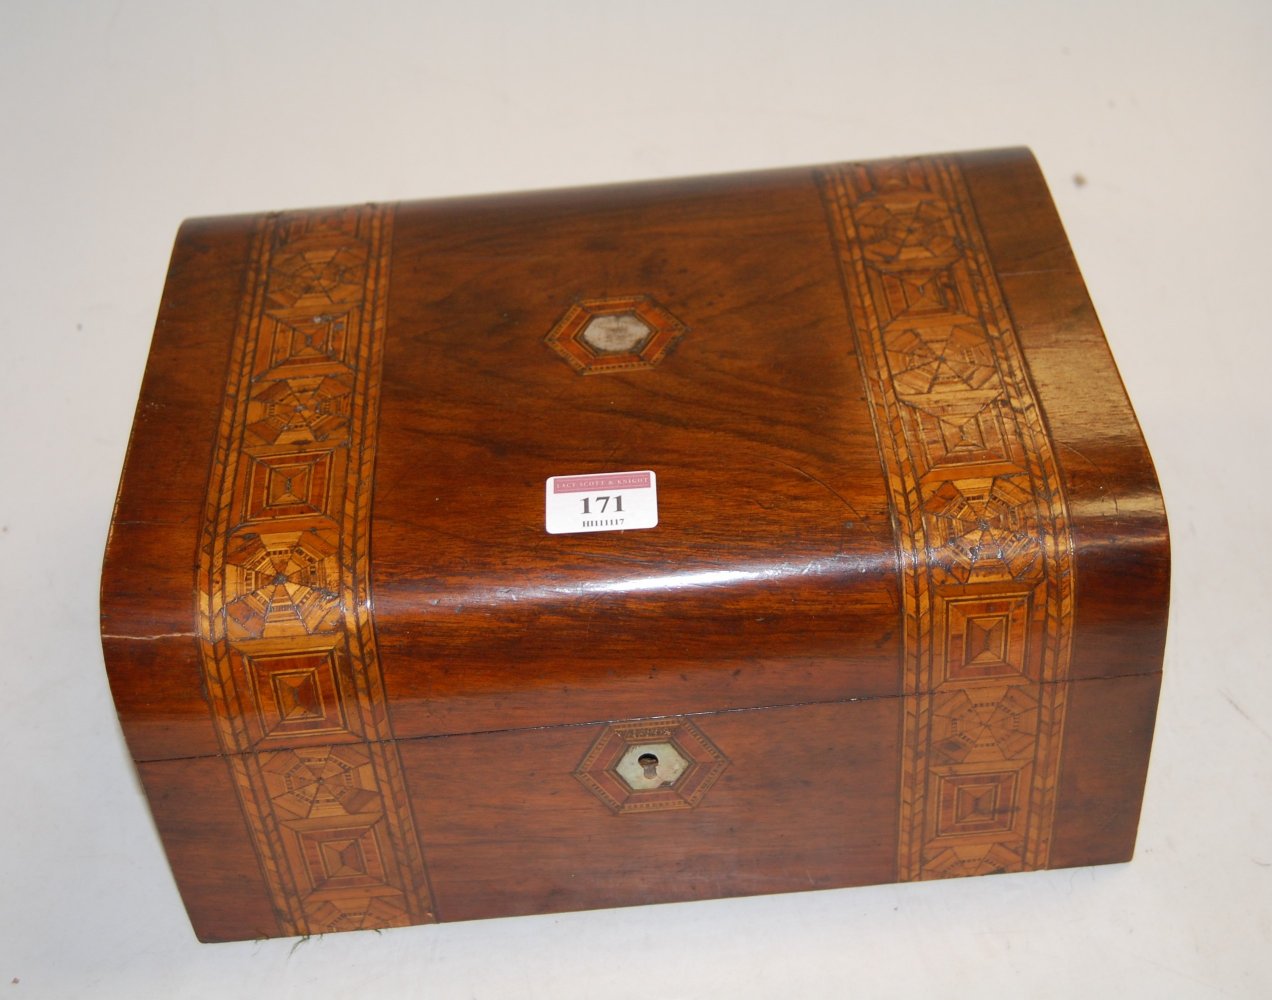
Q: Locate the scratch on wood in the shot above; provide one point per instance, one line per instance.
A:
(823, 484)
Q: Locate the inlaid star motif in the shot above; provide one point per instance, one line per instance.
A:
(982, 529)
(949, 358)
(282, 584)
(321, 781)
(319, 275)
(894, 230)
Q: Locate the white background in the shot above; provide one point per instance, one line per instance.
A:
(118, 119)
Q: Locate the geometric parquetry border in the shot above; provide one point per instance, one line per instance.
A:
(283, 608)
(986, 570)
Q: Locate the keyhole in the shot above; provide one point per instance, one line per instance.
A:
(649, 762)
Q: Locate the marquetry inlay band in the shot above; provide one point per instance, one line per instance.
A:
(986, 570)
(288, 649)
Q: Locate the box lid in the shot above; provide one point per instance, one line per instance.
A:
(892, 456)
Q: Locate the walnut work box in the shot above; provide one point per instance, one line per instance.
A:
(887, 599)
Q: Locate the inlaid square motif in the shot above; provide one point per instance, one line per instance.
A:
(986, 637)
(307, 341)
(908, 294)
(342, 858)
(976, 803)
(297, 694)
(953, 439)
(287, 485)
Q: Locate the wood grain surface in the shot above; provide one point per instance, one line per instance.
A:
(909, 577)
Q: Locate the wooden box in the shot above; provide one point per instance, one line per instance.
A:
(868, 583)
